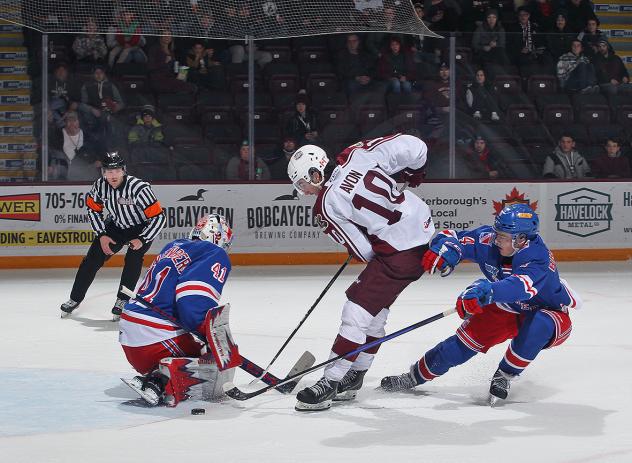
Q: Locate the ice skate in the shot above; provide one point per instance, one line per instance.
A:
(499, 388)
(349, 386)
(398, 383)
(316, 397)
(67, 307)
(117, 310)
(149, 388)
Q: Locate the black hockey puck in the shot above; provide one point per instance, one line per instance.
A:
(198, 411)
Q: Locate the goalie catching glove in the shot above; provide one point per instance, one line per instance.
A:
(475, 296)
(442, 255)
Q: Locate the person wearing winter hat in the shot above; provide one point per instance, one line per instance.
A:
(489, 40)
(303, 125)
(147, 131)
(278, 166)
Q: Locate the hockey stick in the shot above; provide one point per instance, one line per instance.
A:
(322, 294)
(234, 392)
(246, 365)
(311, 309)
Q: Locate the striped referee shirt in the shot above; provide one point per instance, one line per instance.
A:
(132, 203)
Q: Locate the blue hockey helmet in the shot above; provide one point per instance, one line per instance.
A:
(517, 219)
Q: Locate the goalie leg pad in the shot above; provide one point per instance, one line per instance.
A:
(220, 340)
(196, 378)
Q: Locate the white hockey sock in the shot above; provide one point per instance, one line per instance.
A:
(337, 370)
(363, 362)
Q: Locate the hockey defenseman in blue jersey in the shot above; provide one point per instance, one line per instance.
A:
(522, 298)
(183, 284)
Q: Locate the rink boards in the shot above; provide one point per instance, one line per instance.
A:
(47, 226)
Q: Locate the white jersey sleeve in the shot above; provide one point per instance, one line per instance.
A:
(360, 205)
(391, 154)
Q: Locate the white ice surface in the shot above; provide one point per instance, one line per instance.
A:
(61, 397)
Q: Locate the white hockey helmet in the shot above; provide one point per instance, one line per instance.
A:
(305, 164)
(213, 228)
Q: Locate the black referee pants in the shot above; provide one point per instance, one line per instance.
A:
(95, 259)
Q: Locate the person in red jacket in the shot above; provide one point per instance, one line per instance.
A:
(611, 164)
(125, 40)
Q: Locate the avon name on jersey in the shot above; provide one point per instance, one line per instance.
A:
(349, 182)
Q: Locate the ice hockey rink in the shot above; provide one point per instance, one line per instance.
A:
(62, 400)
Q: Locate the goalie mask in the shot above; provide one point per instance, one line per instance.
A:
(213, 228)
(307, 167)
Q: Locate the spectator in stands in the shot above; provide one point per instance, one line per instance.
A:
(100, 98)
(125, 40)
(421, 46)
(565, 162)
(161, 66)
(437, 93)
(481, 98)
(559, 41)
(303, 125)
(524, 43)
(90, 46)
(542, 13)
(612, 74)
(63, 94)
(575, 71)
(278, 166)
(578, 12)
(397, 68)
(148, 130)
(611, 164)
(205, 70)
(481, 162)
(73, 153)
(474, 13)
(355, 66)
(442, 15)
(237, 167)
(489, 41)
(377, 43)
(591, 36)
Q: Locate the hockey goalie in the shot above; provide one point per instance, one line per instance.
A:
(174, 332)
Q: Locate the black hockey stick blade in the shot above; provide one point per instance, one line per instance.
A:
(234, 392)
(303, 363)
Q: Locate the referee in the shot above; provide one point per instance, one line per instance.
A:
(135, 218)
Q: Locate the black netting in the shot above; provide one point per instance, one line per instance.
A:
(235, 19)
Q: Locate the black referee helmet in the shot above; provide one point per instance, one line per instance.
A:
(113, 160)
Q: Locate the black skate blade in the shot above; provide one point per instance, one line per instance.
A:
(138, 403)
(345, 396)
(139, 392)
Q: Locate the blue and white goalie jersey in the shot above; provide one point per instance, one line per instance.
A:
(529, 280)
(185, 280)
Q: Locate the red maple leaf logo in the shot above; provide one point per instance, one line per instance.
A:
(514, 197)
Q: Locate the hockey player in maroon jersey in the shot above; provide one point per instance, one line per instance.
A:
(360, 207)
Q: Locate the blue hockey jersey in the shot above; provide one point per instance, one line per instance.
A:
(528, 280)
(185, 280)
